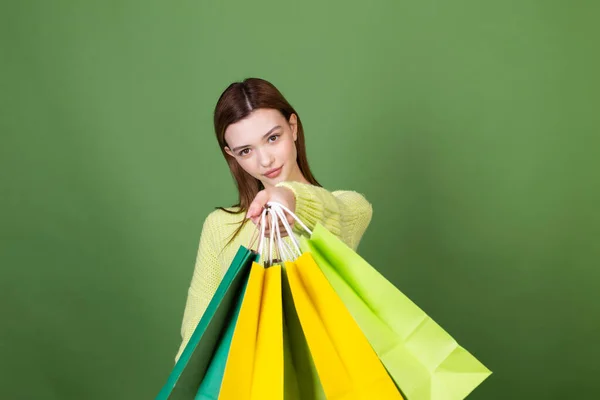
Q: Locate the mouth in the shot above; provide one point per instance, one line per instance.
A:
(273, 173)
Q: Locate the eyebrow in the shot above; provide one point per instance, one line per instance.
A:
(264, 136)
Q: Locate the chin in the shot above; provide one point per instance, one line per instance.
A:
(282, 178)
(273, 182)
(277, 180)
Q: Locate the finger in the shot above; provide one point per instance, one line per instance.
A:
(254, 211)
(290, 220)
(282, 230)
(257, 205)
(282, 223)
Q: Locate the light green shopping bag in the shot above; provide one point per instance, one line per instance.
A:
(423, 359)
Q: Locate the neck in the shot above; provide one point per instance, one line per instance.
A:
(296, 176)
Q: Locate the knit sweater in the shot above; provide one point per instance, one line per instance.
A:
(344, 213)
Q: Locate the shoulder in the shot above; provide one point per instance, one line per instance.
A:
(354, 200)
(218, 221)
(219, 215)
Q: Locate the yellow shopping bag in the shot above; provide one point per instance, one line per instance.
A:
(347, 365)
(254, 369)
(301, 377)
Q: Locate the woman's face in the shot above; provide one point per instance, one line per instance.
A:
(264, 146)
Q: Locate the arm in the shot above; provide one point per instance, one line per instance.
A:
(346, 214)
(204, 283)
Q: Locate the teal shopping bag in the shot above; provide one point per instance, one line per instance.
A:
(184, 380)
(211, 384)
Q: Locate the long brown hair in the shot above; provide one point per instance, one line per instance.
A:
(235, 104)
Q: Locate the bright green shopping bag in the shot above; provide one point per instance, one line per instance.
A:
(423, 359)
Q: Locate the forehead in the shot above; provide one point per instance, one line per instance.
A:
(252, 128)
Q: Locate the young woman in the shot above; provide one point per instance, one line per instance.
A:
(262, 140)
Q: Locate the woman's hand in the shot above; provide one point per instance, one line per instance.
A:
(279, 195)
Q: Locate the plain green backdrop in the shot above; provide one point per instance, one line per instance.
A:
(471, 126)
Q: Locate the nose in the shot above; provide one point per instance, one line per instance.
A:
(265, 158)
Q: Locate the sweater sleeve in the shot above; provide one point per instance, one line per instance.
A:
(345, 213)
(204, 282)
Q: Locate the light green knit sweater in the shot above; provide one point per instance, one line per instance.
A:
(345, 213)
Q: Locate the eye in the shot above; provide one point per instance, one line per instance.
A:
(244, 152)
(273, 138)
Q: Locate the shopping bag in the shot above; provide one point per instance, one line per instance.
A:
(423, 359)
(301, 381)
(184, 380)
(300, 374)
(254, 369)
(211, 384)
(347, 366)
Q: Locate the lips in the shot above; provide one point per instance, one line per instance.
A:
(273, 173)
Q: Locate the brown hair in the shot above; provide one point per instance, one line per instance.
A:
(235, 104)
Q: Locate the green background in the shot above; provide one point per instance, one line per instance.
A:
(471, 126)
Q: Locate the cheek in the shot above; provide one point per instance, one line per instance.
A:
(249, 165)
(288, 150)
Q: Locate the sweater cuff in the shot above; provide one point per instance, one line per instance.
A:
(313, 204)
